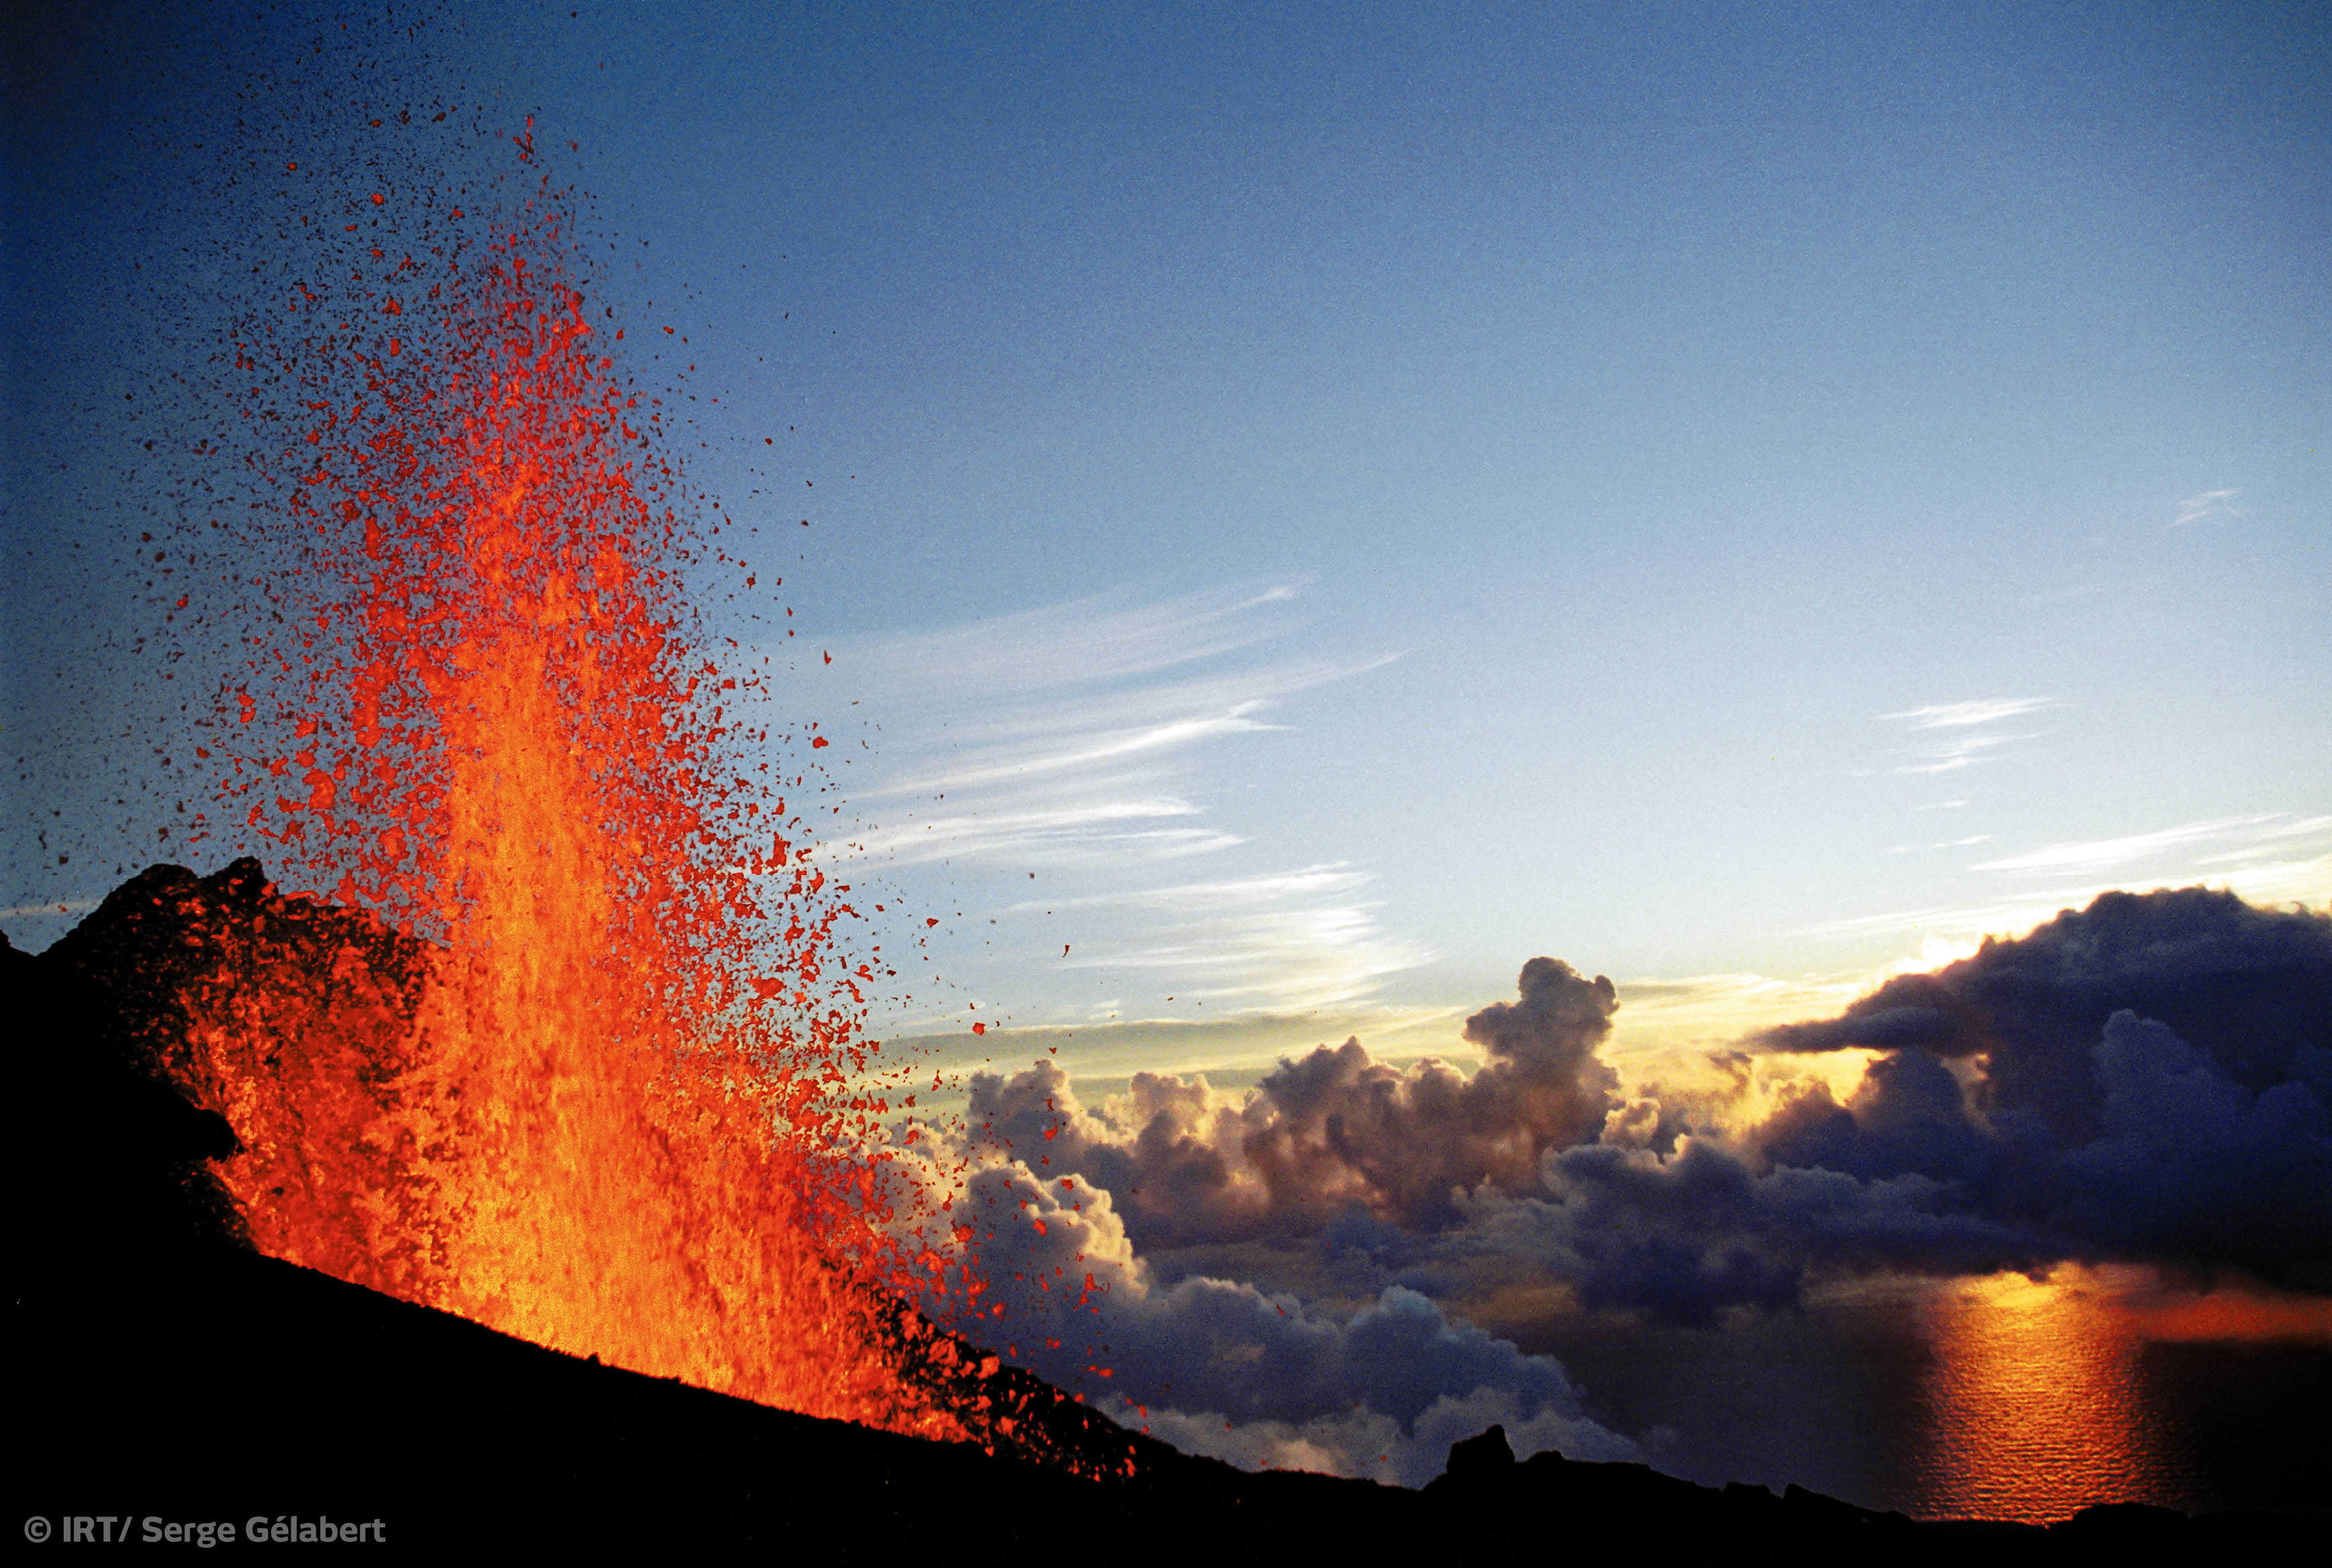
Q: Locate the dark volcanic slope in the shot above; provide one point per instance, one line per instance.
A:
(162, 1371)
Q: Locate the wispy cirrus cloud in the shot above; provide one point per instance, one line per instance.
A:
(2267, 858)
(1084, 689)
(1961, 751)
(1297, 940)
(1293, 958)
(1093, 743)
(1961, 715)
(1068, 732)
(62, 906)
(1103, 639)
(1961, 741)
(1088, 736)
(2211, 506)
(2109, 854)
(1049, 835)
(1338, 877)
(2273, 843)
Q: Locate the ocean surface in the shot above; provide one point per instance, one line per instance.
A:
(1999, 1398)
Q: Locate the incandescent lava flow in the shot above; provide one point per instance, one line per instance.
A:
(572, 1050)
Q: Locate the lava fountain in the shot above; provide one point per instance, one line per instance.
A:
(573, 1051)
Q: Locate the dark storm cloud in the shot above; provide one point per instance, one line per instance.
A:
(1334, 1131)
(2190, 1164)
(2253, 987)
(1910, 1115)
(2146, 1078)
(1679, 1239)
(2186, 1167)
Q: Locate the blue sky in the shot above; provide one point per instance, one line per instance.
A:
(1352, 498)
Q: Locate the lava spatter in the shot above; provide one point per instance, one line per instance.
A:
(576, 1053)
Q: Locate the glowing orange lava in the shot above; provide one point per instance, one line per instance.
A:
(589, 1067)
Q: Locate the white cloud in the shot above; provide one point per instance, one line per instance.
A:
(1083, 643)
(1001, 764)
(1265, 943)
(1053, 834)
(1276, 960)
(1091, 742)
(1047, 733)
(1959, 751)
(62, 906)
(1959, 746)
(1336, 877)
(2207, 507)
(1961, 715)
(1949, 764)
(2281, 861)
(2104, 854)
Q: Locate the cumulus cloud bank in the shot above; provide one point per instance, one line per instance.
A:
(1335, 1131)
(1223, 1367)
(2149, 1078)
(2146, 1079)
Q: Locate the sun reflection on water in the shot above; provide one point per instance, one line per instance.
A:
(2040, 1397)
(2035, 1405)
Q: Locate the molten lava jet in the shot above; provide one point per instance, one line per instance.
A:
(575, 1055)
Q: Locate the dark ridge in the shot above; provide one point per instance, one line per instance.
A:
(164, 1373)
